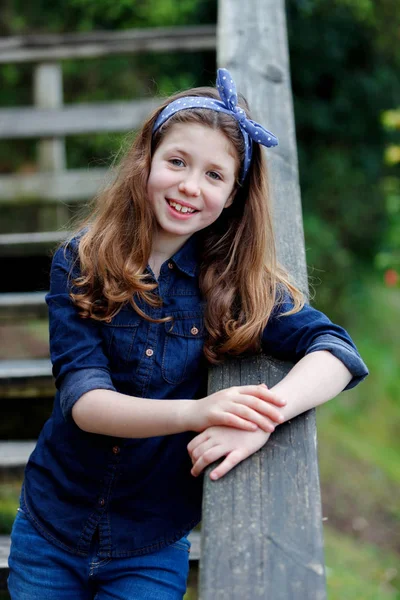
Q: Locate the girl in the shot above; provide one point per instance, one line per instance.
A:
(175, 269)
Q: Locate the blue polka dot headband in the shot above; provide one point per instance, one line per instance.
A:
(251, 131)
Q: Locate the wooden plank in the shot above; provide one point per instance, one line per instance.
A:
(35, 243)
(26, 379)
(75, 119)
(51, 47)
(23, 305)
(262, 530)
(21, 370)
(261, 523)
(15, 453)
(68, 186)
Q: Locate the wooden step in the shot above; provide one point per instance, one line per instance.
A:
(26, 378)
(31, 244)
(72, 185)
(5, 543)
(14, 454)
(75, 119)
(24, 304)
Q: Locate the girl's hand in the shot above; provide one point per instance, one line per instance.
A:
(246, 407)
(215, 442)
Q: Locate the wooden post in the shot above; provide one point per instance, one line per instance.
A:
(262, 526)
(48, 93)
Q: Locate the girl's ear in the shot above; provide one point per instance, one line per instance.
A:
(229, 202)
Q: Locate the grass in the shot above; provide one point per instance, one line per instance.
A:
(359, 571)
(359, 445)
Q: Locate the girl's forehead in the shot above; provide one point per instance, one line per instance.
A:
(195, 136)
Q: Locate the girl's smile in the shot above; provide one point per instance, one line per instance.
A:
(181, 209)
(192, 179)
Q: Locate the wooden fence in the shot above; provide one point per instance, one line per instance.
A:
(261, 528)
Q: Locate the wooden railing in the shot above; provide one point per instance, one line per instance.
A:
(261, 528)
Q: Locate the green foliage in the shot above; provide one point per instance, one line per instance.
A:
(9, 502)
(339, 97)
(19, 17)
(388, 257)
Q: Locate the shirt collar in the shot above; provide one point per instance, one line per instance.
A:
(188, 257)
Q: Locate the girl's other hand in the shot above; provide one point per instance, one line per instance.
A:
(215, 442)
(246, 407)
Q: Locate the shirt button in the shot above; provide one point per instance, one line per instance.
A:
(149, 352)
(194, 331)
(116, 449)
(170, 265)
(102, 502)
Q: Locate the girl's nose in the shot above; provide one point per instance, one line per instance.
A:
(189, 187)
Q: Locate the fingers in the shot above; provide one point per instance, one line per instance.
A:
(209, 456)
(253, 416)
(201, 449)
(261, 407)
(231, 460)
(196, 441)
(231, 419)
(261, 391)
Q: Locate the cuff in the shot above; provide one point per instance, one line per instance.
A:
(78, 382)
(345, 353)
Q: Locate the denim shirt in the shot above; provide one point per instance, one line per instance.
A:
(138, 493)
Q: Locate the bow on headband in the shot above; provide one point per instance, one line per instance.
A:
(251, 131)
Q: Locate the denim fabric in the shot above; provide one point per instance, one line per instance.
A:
(41, 571)
(138, 492)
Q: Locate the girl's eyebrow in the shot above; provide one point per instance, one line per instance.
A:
(179, 150)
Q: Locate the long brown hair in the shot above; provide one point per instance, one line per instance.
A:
(239, 275)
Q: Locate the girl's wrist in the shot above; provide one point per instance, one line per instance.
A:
(186, 415)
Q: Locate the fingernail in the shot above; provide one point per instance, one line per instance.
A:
(214, 475)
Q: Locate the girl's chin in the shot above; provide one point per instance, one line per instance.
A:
(176, 229)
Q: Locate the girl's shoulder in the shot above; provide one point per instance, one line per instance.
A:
(68, 251)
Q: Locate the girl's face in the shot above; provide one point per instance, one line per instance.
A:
(191, 179)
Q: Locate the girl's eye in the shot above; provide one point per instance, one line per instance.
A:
(214, 175)
(177, 162)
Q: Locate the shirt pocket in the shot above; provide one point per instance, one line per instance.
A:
(183, 347)
(119, 336)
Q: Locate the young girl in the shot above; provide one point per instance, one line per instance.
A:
(175, 269)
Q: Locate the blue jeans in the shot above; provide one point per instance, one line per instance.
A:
(40, 570)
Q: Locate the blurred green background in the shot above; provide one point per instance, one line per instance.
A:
(345, 64)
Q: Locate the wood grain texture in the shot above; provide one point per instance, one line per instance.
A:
(51, 47)
(262, 527)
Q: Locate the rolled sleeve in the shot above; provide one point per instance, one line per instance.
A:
(345, 353)
(293, 336)
(77, 383)
(77, 351)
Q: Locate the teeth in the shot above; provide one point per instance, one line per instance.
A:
(180, 208)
